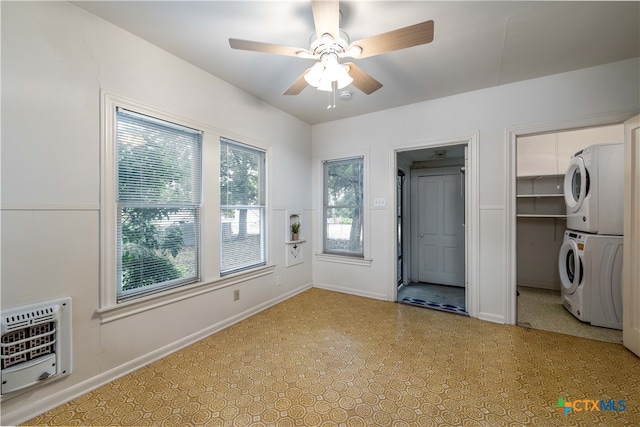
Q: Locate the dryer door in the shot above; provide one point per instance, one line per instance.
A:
(570, 265)
(576, 184)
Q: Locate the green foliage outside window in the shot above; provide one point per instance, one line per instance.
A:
(158, 200)
(343, 201)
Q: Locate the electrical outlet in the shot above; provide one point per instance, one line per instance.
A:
(278, 280)
(236, 295)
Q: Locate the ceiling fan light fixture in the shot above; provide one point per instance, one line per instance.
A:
(344, 79)
(314, 75)
(325, 85)
(329, 44)
(331, 67)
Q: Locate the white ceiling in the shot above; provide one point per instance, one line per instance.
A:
(476, 44)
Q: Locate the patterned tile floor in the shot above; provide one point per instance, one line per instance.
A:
(324, 358)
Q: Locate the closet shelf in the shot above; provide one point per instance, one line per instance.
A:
(539, 195)
(540, 216)
(529, 177)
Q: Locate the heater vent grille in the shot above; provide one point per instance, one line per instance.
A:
(35, 346)
(28, 318)
(26, 344)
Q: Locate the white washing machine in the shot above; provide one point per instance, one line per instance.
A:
(591, 275)
(593, 189)
(574, 287)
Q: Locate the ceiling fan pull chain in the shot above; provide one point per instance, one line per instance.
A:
(334, 89)
(332, 96)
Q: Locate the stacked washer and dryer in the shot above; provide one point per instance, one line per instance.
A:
(590, 259)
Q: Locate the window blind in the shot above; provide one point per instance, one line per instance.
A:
(242, 207)
(158, 203)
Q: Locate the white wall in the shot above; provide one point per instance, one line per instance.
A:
(564, 97)
(56, 58)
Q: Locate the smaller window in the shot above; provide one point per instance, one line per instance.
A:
(242, 207)
(344, 207)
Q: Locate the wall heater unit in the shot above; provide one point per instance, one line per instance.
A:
(36, 345)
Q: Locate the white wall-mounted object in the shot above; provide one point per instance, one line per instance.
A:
(293, 218)
(379, 202)
(36, 345)
(294, 242)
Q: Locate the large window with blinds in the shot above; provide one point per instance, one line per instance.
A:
(182, 207)
(158, 202)
(343, 211)
(242, 207)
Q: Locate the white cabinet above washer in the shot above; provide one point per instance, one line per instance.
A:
(549, 154)
(536, 155)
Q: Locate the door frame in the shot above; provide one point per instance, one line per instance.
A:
(511, 135)
(630, 267)
(472, 214)
(414, 241)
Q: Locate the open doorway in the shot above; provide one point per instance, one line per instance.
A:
(431, 216)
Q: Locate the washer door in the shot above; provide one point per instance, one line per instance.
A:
(570, 265)
(576, 184)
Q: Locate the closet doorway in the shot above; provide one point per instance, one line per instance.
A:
(431, 215)
(541, 162)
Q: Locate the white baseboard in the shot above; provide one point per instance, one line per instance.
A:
(492, 318)
(33, 409)
(350, 291)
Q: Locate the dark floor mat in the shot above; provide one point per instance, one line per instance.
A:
(435, 305)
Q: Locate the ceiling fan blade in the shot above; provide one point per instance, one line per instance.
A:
(362, 80)
(298, 85)
(326, 16)
(401, 38)
(265, 47)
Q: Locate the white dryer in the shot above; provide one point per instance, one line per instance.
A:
(591, 276)
(593, 189)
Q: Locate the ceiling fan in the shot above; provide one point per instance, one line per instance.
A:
(331, 45)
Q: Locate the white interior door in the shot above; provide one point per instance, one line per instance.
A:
(440, 229)
(631, 262)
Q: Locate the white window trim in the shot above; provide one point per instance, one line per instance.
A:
(210, 279)
(365, 260)
(343, 259)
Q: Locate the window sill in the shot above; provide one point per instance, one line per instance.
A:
(129, 308)
(342, 259)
